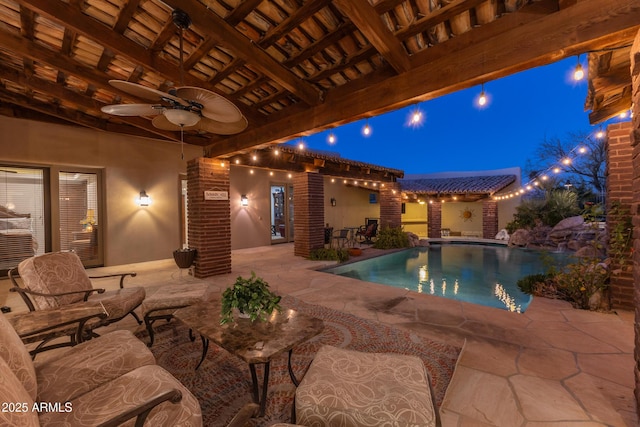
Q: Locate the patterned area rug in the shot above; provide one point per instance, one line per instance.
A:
(223, 382)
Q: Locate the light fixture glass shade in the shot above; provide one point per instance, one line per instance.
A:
(143, 199)
(181, 117)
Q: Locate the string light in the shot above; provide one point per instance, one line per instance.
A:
(416, 118)
(482, 99)
(366, 130)
(331, 139)
(578, 72)
(567, 160)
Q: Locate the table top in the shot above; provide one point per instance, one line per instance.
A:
(253, 342)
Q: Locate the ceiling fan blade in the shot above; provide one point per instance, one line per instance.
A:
(220, 128)
(214, 106)
(144, 92)
(161, 122)
(132, 109)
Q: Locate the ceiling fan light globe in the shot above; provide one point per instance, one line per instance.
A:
(182, 118)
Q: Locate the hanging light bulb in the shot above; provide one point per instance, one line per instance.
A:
(578, 72)
(482, 98)
(366, 130)
(416, 118)
(331, 139)
(600, 134)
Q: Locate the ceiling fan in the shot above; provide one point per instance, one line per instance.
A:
(184, 107)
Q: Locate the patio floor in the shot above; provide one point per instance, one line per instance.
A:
(551, 366)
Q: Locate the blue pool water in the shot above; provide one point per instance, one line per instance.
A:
(480, 274)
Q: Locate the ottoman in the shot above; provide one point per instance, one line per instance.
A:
(350, 388)
(165, 300)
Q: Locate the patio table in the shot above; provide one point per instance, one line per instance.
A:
(254, 342)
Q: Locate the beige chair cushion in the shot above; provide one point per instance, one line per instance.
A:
(86, 366)
(14, 353)
(101, 403)
(350, 388)
(120, 302)
(12, 392)
(52, 273)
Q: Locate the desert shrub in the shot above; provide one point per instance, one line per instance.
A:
(556, 206)
(391, 238)
(531, 284)
(329, 254)
(581, 280)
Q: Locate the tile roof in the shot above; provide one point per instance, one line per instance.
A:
(457, 185)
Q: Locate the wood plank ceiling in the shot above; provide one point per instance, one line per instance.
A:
(293, 67)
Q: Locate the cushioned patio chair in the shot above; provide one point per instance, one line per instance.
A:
(106, 381)
(58, 280)
(366, 235)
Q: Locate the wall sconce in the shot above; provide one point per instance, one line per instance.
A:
(244, 200)
(143, 199)
(333, 201)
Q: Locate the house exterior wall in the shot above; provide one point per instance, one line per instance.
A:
(453, 217)
(352, 204)
(130, 164)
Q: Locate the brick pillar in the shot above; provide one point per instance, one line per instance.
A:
(390, 205)
(434, 219)
(620, 176)
(308, 213)
(635, 209)
(209, 220)
(489, 219)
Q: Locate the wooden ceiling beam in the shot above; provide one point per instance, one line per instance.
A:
(125, 16)
(87, 104)
(72, 18)
(526, 43)
(244, 48)
(75, 118)
(293, 21)
(368, 21)
(611, 108)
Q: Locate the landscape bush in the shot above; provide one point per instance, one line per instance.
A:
(391, 238)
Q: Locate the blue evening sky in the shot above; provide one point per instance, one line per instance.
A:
(458, 136)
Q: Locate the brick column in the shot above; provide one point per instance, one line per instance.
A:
(434, 220)
(390, 205)
(635, 209)
(209, 220)
(620, 176)
(308, 213)
(489, 219)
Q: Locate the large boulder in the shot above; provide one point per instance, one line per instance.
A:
(414, 240)
(519, 238)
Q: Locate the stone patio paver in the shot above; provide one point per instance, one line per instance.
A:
(548, 367)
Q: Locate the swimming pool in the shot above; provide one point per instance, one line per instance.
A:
(481, 274)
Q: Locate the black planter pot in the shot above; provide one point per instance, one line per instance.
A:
(184, 257)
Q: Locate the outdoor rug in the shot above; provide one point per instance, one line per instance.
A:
(223, 383)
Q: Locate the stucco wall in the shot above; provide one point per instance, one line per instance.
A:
(352, 204)
(130, 164)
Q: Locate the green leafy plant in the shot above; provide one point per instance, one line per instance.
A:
(620, 248)
(581, 280)
(556, 206)
(531, 284)
(330, 254)
(249, 296)
(391, 238)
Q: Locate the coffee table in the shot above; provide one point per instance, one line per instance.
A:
(254, 342)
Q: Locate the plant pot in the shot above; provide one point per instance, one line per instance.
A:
(355, 251)
(184, 257)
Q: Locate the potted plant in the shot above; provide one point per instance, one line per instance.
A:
(184, 257)
(250, 297)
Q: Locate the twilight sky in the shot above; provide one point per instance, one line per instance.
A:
(456, 135)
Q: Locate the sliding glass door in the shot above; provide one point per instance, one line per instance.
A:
(23, 225)
(79, 215)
